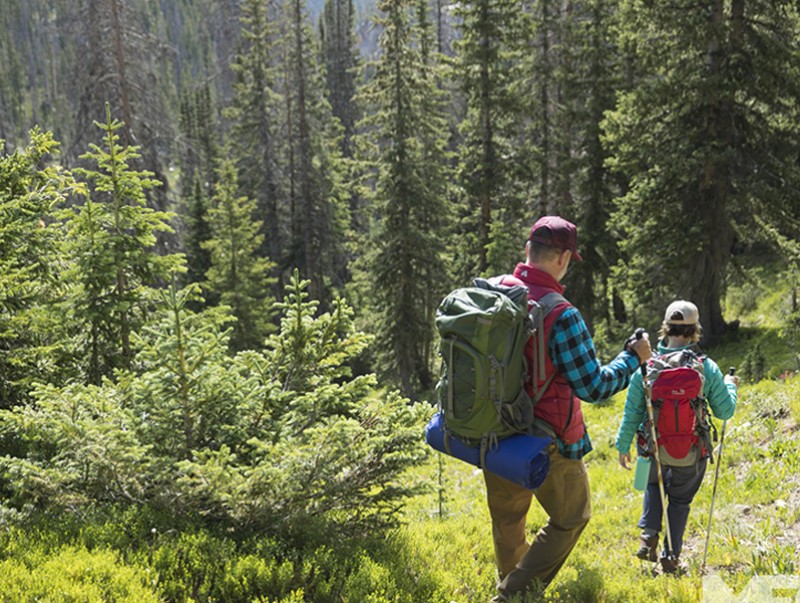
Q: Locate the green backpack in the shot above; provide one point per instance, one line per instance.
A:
(483, 330)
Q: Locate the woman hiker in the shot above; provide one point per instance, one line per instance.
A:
(683, 447)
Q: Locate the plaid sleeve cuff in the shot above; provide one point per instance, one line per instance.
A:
(631, 360)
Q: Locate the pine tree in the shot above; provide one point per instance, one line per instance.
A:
(709, 142)
(111, 249)
(315, 170)
(257, 126)
(341, 64)
(406, 126)
(492, 207)
(238, 276)
(34, 341)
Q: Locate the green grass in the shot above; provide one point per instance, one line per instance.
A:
(438, 558)
(756, 523)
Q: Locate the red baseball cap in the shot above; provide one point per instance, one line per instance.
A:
(555, 231)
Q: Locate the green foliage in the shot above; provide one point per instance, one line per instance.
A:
(80, 447)
(430, 558)
(199, 163)
(316, 170)
(183, 472)
(753, 367)
(491, 199)
(113, 262)
(75, 574)
(340, 55)
(275, 440)
(256, 121)
(404, 151)
(697, 140)
(330, 445)
(198, 257)
(238, 277)
(33, 344)
(182, 391)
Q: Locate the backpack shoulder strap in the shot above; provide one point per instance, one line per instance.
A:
(536, 316)
(549, 302)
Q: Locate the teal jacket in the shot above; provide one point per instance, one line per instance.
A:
(721, 398)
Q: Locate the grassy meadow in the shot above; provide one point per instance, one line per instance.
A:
(755, 531)
(756, 520)
(442, 551)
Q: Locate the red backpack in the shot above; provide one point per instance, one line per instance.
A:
(680, 411)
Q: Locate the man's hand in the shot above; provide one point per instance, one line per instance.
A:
(639, 344)
(625, 460)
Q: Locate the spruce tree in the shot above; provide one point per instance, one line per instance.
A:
(340, 58)
(112, 257)
(492, 205)
(284, 441)
(567, 80)
(34, 339)
(709, 138)
(199, 163)
(315, 170)
(256, 126)
(406, 128)
(598, 74)
(238, 276)
(198, 232)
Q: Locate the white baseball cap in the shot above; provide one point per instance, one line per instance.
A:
(682, 312)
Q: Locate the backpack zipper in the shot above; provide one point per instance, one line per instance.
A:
(677, 423)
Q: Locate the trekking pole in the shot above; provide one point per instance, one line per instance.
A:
(648, 397)
(714, 489)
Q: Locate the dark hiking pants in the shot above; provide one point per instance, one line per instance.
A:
(681, 484)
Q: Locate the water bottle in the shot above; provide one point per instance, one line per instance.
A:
(642, 473)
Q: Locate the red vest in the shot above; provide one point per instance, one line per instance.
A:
(559, 407)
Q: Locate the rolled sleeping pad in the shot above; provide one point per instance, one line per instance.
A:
(520, 458)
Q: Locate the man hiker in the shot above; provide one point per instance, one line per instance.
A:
(572, 374)
(682, 423)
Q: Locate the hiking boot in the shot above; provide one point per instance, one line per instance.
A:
(670, 565)
(648, 549)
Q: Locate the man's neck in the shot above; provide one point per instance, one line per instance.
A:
(550, 268)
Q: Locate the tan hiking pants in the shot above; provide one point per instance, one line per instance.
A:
(564, 495)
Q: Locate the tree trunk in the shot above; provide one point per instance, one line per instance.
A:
(707, 284)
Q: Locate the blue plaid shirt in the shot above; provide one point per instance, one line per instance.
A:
(573, 354)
